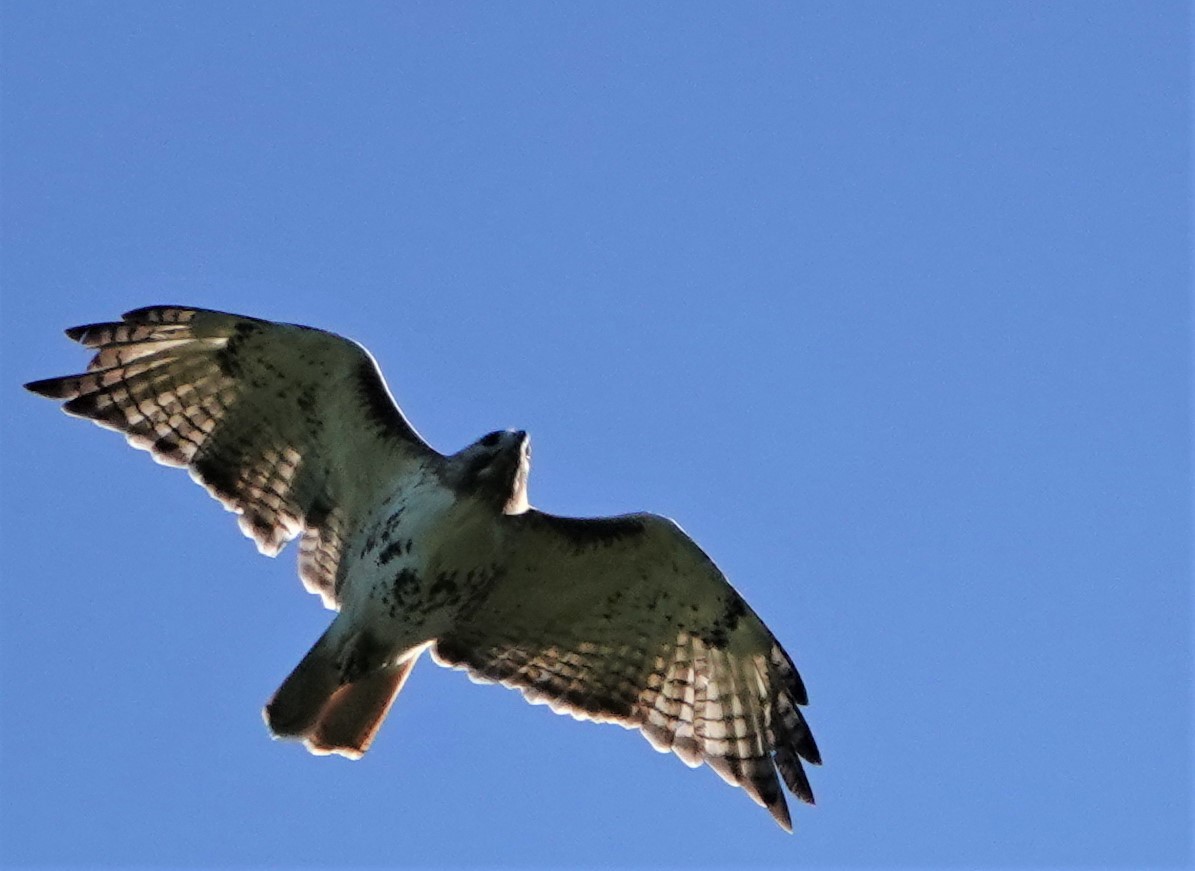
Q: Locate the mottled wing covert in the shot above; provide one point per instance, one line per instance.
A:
(626, 620)
(290, 427)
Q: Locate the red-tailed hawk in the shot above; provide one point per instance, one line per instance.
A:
(616, 619)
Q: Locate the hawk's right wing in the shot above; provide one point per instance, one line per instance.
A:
(290, 427)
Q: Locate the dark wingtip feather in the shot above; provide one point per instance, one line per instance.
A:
(794, 774)
(779, 812)
(798, 783)
(807, 749)
(91, 335)
(52, 388)
(788, 674)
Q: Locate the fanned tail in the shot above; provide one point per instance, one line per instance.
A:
(351, 718)
(329, 714)
(295, 708)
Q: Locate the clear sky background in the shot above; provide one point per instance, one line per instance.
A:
(887, 303)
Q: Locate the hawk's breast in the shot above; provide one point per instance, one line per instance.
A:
(425, 555)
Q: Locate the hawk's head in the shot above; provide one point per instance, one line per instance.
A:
(494, 468)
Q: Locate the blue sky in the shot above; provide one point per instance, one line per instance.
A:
(888, 304)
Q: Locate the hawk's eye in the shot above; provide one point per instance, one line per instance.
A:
(491, 440)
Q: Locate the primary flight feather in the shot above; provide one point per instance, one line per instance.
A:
(616, 619)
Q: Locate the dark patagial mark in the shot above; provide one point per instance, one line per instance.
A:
(379, 407)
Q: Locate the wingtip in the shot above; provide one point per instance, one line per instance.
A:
(51, 388)
(781, 816)
(91, 335)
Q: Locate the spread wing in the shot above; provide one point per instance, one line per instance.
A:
(626, 620)
(290, 427)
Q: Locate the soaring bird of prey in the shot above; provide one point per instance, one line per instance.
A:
(614, 619)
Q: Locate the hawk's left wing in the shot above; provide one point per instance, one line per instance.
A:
(626, 620)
